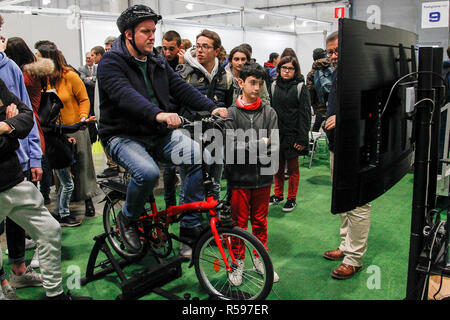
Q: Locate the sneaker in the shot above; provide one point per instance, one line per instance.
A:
(289, 206)
(35, 261)
(186, 251)
(28, 279)
(275, 200)
(29, 244)
(236, 276)
(69, 221)
(68, 296)
(9, 293)
(258, 267)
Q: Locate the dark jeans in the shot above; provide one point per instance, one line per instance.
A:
(318, 122)
(46, 180)
(15, 237)
(170, 180)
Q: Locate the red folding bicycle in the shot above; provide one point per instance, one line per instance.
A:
(230, 263)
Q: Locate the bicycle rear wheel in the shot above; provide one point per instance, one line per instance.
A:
(251, 257)
(113, 205)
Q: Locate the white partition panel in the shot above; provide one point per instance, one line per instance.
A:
(306, 43)
(96, 31)
(265, 42)
(32, 28)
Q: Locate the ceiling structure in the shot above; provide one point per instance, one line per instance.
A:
(292, 16)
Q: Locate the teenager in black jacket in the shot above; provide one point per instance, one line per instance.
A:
(291, 101)
(20, 200)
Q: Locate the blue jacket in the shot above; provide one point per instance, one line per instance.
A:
(30, 152)
(125, 106)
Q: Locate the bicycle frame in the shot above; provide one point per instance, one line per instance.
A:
(170, 214)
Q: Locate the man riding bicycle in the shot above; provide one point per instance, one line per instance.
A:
(138, 118)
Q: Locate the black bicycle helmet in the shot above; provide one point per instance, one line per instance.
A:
(134, 15)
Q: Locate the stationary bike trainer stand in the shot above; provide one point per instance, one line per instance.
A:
(148, 281)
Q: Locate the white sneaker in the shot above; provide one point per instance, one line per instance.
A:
(236, 276)
(29, 244)
(258, 267)
(35, 261)
(28, 279)
(185, 251)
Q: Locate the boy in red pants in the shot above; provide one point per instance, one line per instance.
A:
(253, 136)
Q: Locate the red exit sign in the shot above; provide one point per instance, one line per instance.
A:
(339, 12)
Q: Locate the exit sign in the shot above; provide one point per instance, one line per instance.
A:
(339, 12)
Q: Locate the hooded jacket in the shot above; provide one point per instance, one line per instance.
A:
(10, 168)
(317, 65)
(30, 152)
(217, 85)
(252, 174)
(125, 106)
(35, 76)
(294, 116)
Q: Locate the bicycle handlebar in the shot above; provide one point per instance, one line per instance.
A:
(185, 123)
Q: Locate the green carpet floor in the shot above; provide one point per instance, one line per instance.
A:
(296, 243)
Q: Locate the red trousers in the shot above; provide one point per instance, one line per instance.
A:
(253, 205)
(294, 178)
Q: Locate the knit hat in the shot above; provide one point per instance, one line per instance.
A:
(319, 53)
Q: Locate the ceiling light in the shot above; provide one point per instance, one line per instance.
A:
(46, 2)
(190, 6)
(262, 16)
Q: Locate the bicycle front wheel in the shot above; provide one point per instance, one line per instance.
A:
(252, 270)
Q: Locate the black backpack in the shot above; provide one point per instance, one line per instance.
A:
(49, 109)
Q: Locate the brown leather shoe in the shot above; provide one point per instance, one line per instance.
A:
(345, 271)
(334, 255)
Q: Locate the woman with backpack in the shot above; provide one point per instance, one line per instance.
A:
(35, 74)
(72, 92)
(291, 101)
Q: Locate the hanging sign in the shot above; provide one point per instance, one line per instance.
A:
(435, 14)
(339, 12)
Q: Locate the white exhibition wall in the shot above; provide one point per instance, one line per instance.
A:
(74, 43)
(263, 42)
(32, 28)
(306, 43)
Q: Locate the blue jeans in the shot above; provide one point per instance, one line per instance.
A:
(64, 192)
(170, 180)
(138, 154)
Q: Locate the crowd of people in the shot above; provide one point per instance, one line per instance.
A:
(129, 96)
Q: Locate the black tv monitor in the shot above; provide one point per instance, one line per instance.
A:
(373, 144)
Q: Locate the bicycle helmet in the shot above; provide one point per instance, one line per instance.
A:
(134, 15)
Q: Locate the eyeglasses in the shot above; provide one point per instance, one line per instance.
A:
(289, 69)
(205, 47)
(169, 48)
(331, 52)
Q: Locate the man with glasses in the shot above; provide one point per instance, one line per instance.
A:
(355, 226)
(172, 48)
(138, 119)
(204, 72)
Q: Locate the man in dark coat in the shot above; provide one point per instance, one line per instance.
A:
(138, 118)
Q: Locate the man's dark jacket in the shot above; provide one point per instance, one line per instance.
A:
(10, 168)
(125, 106)
(331, 109)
